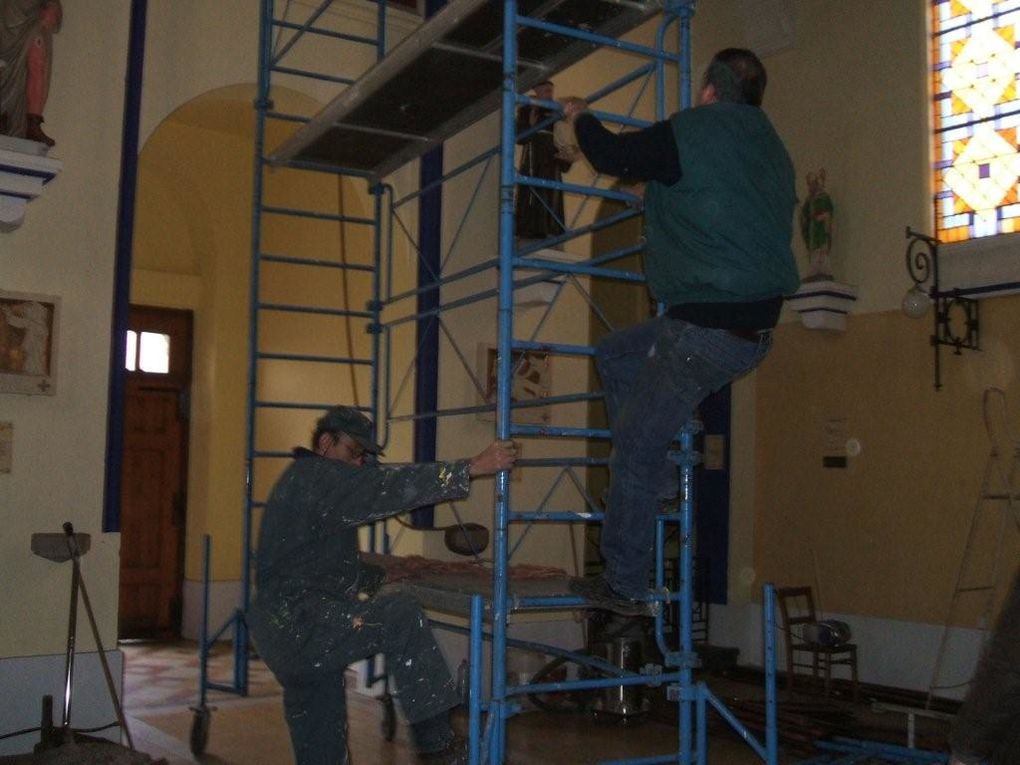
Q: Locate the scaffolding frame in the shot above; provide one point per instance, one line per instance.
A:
(271, 57)
(488, 736)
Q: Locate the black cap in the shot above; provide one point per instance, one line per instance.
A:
(347, 419)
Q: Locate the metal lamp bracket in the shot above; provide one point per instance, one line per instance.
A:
(957, 318)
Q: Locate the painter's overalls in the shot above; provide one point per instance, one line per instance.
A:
(314, 610)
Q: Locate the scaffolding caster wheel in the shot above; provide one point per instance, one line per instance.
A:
(389, 719)
(200, 730)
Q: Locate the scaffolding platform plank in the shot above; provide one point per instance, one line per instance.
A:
(448, 586)
(445, 76)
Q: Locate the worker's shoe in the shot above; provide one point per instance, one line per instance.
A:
(455, 753)
(596, 590)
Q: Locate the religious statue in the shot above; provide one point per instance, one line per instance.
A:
(26, 53)
(816, 227)
(547, 154)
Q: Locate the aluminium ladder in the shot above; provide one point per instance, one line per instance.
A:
(978, 580)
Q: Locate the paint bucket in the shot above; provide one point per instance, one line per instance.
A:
(621, 703)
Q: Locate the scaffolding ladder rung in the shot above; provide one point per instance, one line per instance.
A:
(295, 261)
(307, 74)
(305, 405)
(316, 167)
(315, 358)
(573, 188)
(563, 462)
(287, 308)
(315, 215)
(303, 28)
(578, 268)
(529, 516)
(550, 431)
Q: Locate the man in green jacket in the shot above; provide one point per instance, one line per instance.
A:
(316, 610)
(718, 203)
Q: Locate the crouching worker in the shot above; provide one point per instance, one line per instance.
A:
(316, 610)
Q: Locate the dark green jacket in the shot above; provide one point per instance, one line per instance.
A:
(308, 538)
(722, 233)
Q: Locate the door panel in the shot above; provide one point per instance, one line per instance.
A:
(153, 484)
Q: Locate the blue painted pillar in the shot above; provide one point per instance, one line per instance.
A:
(122, 264)
(426, 390)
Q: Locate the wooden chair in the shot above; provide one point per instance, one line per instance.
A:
(797, 608)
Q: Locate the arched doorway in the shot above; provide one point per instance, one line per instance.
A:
(192, 255)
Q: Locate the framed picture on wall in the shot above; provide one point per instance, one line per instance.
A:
(531, 381)
(28, 343)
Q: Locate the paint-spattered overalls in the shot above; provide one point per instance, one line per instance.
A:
(314, 610)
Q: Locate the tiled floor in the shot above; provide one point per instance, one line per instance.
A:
(166, 674)
(161, 689)
(161, 686)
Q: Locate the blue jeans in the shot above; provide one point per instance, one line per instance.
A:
(654, 375)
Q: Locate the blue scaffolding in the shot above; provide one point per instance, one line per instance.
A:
(495, 51)
(280, 37)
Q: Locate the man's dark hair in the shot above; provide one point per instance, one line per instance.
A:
(738, 76)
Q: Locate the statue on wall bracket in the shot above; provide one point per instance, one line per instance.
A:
(822, 302)
(816, 227)
(26, 55)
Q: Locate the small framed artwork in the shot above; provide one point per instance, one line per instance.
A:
(28, 343)
(531, 382)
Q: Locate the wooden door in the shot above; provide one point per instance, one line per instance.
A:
(154, 472)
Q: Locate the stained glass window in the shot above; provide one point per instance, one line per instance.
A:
(976, 111)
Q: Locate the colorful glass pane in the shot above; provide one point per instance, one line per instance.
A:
(976, 112)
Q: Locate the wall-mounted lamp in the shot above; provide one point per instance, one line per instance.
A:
(923, 267)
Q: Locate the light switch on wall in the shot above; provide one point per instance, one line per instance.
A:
(6, 446)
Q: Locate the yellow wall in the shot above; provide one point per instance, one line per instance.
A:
(885, 536)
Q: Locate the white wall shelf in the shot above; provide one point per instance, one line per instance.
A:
(24, 172)
(823, 304)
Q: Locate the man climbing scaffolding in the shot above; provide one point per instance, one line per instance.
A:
(718, 203)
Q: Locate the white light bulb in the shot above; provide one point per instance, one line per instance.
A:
(915, 302)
